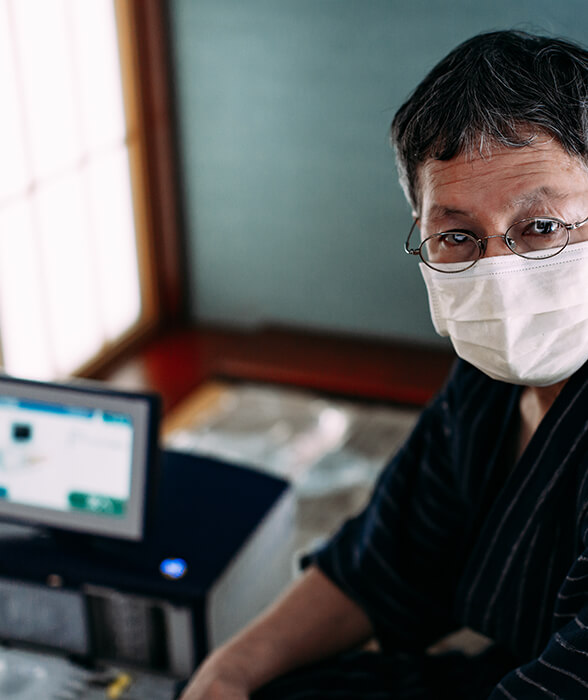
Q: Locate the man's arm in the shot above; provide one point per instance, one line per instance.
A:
(313, 620)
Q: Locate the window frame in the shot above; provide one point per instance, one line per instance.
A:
(144, 42)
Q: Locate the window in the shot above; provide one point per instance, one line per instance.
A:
(77, 270)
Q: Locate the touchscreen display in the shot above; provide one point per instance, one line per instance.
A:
(65, 457)
(77, 456)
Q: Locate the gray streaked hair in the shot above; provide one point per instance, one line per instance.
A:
(504, 88)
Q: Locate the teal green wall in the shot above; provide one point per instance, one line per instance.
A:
(293, 211)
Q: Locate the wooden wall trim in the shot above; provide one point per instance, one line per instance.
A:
(150, 37)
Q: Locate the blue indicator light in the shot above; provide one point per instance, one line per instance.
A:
(173, 568)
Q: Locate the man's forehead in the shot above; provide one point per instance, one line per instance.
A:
(510, 178)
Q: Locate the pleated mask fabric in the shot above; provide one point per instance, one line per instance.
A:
(518, 320)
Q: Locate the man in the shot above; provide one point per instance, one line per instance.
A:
(481, 520)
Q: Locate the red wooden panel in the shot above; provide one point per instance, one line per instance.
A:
(178, 361)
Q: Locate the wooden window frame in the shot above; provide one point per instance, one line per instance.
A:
(143, 28)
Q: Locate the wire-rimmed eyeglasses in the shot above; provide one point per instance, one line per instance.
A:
(535, 238)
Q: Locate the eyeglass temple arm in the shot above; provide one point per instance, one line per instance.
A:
(570, 227)
(414, 251)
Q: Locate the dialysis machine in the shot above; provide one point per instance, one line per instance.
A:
(121, 564)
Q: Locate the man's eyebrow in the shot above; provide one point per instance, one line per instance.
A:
(438, 211)
(540, 195)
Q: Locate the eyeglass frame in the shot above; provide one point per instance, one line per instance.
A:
(481, 242)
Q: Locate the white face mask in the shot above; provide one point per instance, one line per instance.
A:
(518, 320)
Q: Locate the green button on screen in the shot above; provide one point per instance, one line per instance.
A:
(96, 503)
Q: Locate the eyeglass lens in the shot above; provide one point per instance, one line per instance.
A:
(532, 238)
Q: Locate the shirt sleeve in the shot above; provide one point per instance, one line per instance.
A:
(400, 558)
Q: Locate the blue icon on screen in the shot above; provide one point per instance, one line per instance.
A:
(173, 568)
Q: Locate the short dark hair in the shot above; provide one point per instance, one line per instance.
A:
(502, 87)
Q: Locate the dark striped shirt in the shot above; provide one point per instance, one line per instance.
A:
(454, 537)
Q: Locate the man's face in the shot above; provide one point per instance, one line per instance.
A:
(485, 195)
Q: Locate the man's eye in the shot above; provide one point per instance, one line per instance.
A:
(454, 238)
(541, 227)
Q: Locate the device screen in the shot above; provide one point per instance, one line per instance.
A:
(77, 456)
(66, 458)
